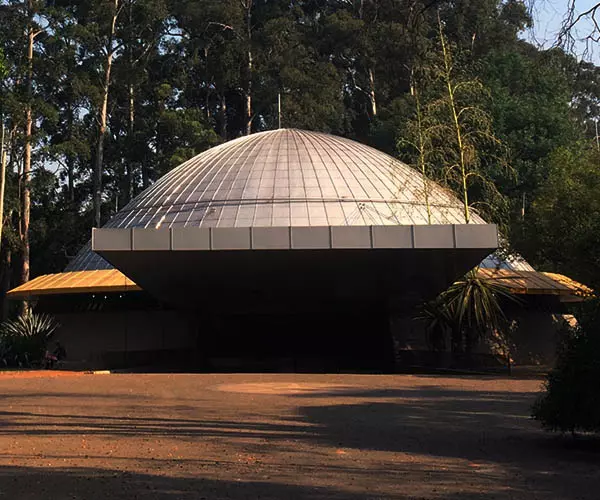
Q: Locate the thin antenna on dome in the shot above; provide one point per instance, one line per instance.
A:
(279, 109)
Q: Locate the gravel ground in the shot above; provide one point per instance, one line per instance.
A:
(348, 437)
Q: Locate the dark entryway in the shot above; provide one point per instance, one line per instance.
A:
(317, 342)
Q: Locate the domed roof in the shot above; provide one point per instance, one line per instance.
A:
(285, 178)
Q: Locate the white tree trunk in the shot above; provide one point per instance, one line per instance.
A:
(372, 93)
(248, 111)
(26, 181)
(2, 180)
(102, 120)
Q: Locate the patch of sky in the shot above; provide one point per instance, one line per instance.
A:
(549, 18)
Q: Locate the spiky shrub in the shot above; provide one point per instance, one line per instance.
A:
(438, 322)
(26, 338)
(571, 399)
(469, 310)
(475, 308)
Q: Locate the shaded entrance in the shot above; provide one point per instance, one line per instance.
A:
(317, 342)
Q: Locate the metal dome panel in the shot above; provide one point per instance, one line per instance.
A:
(284, 178)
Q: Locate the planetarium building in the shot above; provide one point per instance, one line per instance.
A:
(284, 250)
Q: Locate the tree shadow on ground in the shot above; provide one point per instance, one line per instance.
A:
(439, 421)
(431, 424)
(58, 424)
(32, 483)
(479, 427)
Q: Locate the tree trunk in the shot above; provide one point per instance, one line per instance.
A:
(6, 270)
(130, 167)
(373, 101)
(6, 274)
(14, 160)
(249, 97)
(103, 120)
(98, 176)
(71, 182)
(455, 120)
(422, 145)
(372, 94)
(207, 93)
(249, 68)
(2, 181)
(70, 159)
(145, 176)
(223, 121)
(26, 181)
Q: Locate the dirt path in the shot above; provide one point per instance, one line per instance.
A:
(282, 437)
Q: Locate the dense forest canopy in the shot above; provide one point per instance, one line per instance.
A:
(99, 98)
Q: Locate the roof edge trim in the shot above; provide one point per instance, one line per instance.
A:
(463, 236)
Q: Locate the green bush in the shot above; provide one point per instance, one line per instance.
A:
(23, 341)
(571, 400)
(469, 310)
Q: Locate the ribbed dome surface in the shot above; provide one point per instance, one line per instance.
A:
(285, 178)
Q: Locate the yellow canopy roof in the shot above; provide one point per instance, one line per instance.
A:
(100, 281)
(579, 289)
(538, 283)
(112, 280)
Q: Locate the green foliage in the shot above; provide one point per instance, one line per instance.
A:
(439, 322)
(571, 399)
(186, 134)
(417, 145)
(531, 107)
(23, 341)
(468, 311)
(562, 229)
(451, 137)
(2, 64)
(475, 302)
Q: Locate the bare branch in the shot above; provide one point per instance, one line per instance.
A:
(567, 37)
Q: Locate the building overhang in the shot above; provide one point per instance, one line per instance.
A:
(535, 283)
(109, 281)
(254, 268)
(74, 283)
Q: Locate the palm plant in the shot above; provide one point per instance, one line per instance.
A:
(475, 306)
(470, 309)
(26, 337)
(438, 321)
